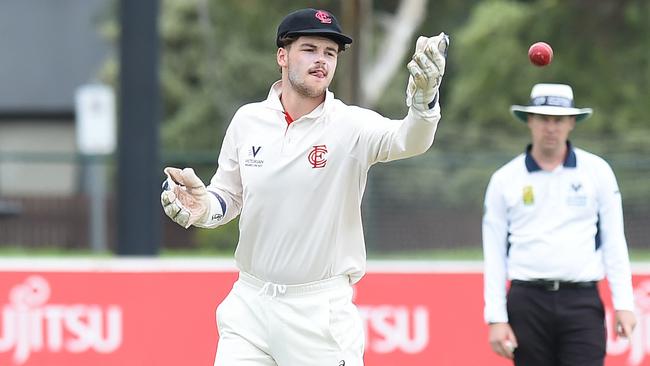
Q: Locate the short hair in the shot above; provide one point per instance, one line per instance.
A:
(286, 41)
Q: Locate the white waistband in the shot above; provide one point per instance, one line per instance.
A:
(304, 288)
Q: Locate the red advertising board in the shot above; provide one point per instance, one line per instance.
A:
(161, 312)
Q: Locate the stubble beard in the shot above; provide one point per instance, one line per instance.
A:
(301, 87)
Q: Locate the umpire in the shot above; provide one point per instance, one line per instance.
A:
(553, 226)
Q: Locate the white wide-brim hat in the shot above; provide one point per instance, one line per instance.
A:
(551, 100)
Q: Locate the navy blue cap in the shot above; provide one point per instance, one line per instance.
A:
(311, 22)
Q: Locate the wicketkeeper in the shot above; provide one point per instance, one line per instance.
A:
(294, 167)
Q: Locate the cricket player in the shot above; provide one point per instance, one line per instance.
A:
(294, 167)
(553, 226)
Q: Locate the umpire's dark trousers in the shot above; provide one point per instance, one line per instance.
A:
(557, 325)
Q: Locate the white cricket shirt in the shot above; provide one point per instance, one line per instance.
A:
(298, 187)
(565, 224)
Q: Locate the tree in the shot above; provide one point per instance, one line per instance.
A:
(219, 55)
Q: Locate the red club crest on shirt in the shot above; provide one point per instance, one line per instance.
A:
(323, 16)
(316, 156)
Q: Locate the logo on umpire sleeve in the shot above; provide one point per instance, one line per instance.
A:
(342, 363)
(528, 197)
(576, 195)
(576, 186)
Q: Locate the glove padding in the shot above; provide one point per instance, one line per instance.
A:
(426, 68)
(184, 198)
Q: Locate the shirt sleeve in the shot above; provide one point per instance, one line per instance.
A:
(388, 140)
(613, 243)
(495, 236)
(225, 186)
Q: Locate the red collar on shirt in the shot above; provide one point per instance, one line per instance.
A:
(287, 118)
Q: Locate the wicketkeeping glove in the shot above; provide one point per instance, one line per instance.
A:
(426, 68)
(184, 198)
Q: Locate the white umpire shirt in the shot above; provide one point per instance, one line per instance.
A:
(299, 186)
(565, 224)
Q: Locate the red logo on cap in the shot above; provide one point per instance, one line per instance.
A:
(323, 16)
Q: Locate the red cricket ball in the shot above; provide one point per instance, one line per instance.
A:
(540, 54)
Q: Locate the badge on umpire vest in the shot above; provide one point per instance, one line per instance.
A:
(528, 196)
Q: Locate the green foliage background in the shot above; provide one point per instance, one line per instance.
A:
(218, 55)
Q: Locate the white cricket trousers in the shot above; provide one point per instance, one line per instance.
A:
(267, 324)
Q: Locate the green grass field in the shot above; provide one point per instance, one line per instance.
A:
(461, 254)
